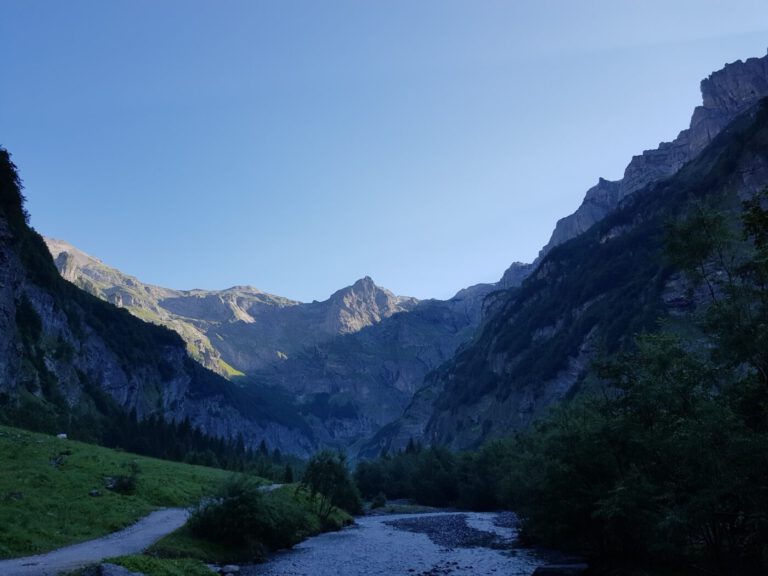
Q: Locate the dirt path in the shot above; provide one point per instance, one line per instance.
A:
(131, 540)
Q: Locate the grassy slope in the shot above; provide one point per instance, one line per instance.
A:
(43, 507)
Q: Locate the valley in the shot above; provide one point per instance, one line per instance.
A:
(601, 410)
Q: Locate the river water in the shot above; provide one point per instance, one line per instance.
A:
(431, 544)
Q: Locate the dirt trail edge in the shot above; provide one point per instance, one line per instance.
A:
(131, 540)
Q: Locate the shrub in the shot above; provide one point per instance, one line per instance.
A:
(379, 501)
(125, 484)
(242, 516)
(329, 483)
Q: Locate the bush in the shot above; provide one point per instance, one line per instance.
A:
(379, 501)
(125, 484)
(330, 485)
(242, 516)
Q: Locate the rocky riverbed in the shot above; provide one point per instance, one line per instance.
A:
(434, 544)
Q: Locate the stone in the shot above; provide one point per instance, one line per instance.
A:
(94, 493)
(230, 569)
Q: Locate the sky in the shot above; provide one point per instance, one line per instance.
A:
(297, 146)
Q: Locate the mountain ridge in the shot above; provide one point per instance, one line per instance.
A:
(69, 359)
(349, 364)
(726, 93)
(525, 356)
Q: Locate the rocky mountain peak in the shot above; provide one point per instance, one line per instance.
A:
(363, 304)
(736, 86)
(514, 275)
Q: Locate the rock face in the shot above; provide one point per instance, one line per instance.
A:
(601, 279)
(250, 328)
(190, 313)
(514, 275)
(726, 94)
(363, 304)
(349, 364)
(60, 345)
(352, 385)
(590, 294)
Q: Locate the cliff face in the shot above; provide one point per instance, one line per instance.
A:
(590, 294)
(726, 94)
(599, 281)
(239, 329)
(349, 364)
(59, 346)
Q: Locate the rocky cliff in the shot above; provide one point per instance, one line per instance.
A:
(64, 353)
(588, 296)
(726, 94)
(349, 364)
(600, 280)
(237, 329)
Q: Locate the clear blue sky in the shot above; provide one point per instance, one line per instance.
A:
(299, 145)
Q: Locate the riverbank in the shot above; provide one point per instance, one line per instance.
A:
(428, 544)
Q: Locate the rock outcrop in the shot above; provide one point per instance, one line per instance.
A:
(726, 94)
(363, 304)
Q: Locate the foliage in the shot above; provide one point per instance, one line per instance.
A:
(249, 522)
(126, 483)
(379, 501)
(328, 482)
(242, 516)
(426, 475)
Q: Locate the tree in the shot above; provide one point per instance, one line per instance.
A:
(329, 484)
(288, 474)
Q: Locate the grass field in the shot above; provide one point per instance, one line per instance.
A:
(45, 484)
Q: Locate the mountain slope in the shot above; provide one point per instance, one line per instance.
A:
(349, 364)
(66, 356)
(591, 294)
(238, 329)
(726, 94)
(352, 385)
(601, 278)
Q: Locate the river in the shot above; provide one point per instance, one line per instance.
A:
(433, 544)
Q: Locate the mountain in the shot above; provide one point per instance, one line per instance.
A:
(603, 278)
(349, 365)
(726, 94)
(68, 360)
(350, 386)
(250, 328)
